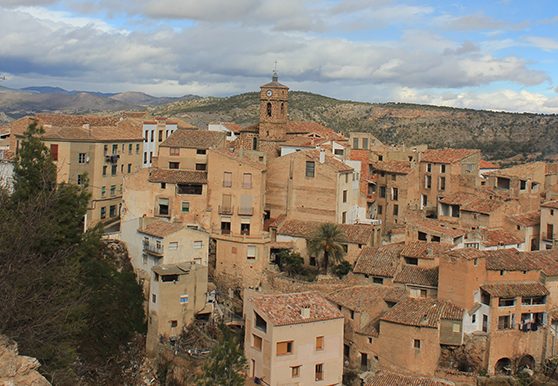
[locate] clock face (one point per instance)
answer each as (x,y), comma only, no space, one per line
(269,93)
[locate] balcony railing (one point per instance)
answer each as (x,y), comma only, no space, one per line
(245,211)
(225,209)
(153,249)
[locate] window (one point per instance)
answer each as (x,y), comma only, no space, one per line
(105,150)
(201,151)
(528,301)
(198,244)
(130,147)
(355,143)
(114,149)
(416,344)
(344,196)
(310,168)
(394,194)
(163,185)
(295,371)
(137,148)
(113,170)
(245,229)
(189,189)
(104,171)
(174,165)
(184,299)
(429,168)
(319,372)
(343,217)
(82,158)
(201,166)
(174,323)
(382,191)
(129,168)
(474,318)
(255,143)
(261,324)
(506,322)
(352,314)
(427,182)
(380,210)
(152,135)
(163,207)
(103,212)
(442,168)
(365,143)
(442,183)
(256,342)
(522,184)
(174,151)
(227,179)
(506,302)
(103,191)
(112,211)
(422,236)
(247,181)
(396,210)
(411,260)
(268,109)
(377,280)
(160,135)
(145,158)
(154,298)
(80,179)
(185,207)
(54,152)
(319,343)
(122,168)
(225,227)
(173,245)
(284,348)
(250,252)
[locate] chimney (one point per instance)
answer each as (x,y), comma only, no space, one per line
(305,312)
(322,156)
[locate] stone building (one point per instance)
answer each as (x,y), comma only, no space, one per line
(293,338)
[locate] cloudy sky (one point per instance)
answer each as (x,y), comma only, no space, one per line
(491,54)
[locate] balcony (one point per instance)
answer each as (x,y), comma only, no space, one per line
(226,209)
(153,249)
(246,211)
(112,158)
(548,237)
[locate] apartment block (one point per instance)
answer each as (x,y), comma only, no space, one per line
(549,224)
(294,338)
(155,131)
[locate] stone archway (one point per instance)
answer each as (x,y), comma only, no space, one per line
(503,366)
(526,361)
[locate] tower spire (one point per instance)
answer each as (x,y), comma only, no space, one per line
(275,77)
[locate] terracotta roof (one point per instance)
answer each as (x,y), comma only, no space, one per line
(274,83)
(161,228)
(383,378)
(480,201)
(285,309)
(495,237)
(447,156)
(411,274)
(524,171)
(174,176)
(510,290)
(545,260)
(423,312)
(398,167)
(197,139)
(438,227)
(483,164)
(550,204)
(302,127)
(362,298)
(465,253)
(83,128)
(234,127)
(528,219)
(509,260)
(241,157)
(379,261)
(355,234)
(424,249)
(330,160)
(301,141)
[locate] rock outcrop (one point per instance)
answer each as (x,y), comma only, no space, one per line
(18,370)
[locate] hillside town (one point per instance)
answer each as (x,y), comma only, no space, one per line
(342,260)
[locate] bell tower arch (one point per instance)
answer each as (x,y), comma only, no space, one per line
(274,110)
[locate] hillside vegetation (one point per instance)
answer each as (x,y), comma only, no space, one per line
(498,134)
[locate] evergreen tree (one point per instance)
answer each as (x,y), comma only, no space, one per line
(327,241)
(226,363)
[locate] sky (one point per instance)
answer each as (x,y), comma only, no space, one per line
(482,54)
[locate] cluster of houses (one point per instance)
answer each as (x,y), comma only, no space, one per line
(454,266)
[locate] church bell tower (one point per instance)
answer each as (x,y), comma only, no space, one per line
(274,110)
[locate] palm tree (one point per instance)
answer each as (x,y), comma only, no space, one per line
(328,240)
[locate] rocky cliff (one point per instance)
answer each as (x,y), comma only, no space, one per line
(18,370)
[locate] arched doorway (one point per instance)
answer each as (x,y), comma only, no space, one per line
(526,361)
(503,366)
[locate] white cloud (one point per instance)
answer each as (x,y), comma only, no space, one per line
(546,44)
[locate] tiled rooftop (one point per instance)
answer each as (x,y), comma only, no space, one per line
(161,229)
(524,171)
(356,234)
(509,260)
(423,312)
(437,227)
(411,274)
(240,156)
(480,201)
(528,219)
(424,249)
(510,290)
(196,139)
(483,164)
(495,237)
(379,261)
(286,309)
(397,167)
(550,204)
(383,378)
(447,156)
(174,176)
(330,160)
(364,297)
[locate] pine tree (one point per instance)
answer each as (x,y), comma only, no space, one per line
(226,363)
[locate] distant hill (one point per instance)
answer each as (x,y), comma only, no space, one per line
(499,135)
